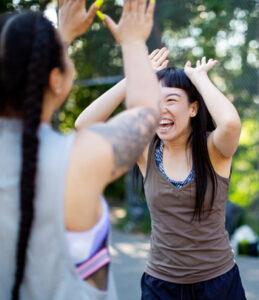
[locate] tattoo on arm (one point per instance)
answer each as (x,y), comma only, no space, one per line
(128,134)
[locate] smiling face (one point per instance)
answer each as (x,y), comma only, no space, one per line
(177,112)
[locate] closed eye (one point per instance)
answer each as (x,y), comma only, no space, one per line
(171,100)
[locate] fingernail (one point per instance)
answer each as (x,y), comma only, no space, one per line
(98,3)
(100,15)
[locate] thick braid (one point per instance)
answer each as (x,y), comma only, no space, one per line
(37,80)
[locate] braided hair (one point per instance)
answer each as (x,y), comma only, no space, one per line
(34,49)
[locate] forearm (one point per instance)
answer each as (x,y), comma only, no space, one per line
(101,109)
(221,109)
(142,87)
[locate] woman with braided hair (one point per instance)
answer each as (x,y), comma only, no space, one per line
(52,215)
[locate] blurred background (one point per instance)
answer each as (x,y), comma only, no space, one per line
(227,30)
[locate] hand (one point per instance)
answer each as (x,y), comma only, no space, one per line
(135,23)
(74,20)
(202,67)
(158,59)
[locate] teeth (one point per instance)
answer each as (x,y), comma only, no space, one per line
(163,122)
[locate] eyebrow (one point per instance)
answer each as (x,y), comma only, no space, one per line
(173,94)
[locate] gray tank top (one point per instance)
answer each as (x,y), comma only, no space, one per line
(182,250)
(49,273)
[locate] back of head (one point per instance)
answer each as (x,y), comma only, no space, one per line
(29,49)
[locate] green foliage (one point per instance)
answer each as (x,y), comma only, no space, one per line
(244,186)
(10,5)
(226,30)
(229,32)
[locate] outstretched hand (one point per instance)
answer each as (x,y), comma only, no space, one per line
(74,20)
(158,59)
(202,67)
(135,23)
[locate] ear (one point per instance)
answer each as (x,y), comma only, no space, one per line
(55,81)
(194,107)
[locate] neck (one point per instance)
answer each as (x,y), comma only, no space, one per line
(179,144)
(48,108)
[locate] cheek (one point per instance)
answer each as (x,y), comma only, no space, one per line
(71,71)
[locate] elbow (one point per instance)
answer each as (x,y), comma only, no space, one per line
(151,101)
(77,124)
(233,126)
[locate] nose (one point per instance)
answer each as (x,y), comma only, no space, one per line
(163,106)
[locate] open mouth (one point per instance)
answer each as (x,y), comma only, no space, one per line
(165,125)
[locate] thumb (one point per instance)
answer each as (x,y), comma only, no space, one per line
(90,15)
(111,25)
(188,64)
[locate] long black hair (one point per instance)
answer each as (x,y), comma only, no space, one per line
(29,49)
(201,125)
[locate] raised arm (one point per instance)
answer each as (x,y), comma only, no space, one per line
(104,151)
(228,125)
(102,108)
(128,133)
(74,19)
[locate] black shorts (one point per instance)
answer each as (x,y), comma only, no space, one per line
(225,287)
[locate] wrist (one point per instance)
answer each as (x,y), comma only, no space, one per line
(66,36)
(133,45)
(198,77)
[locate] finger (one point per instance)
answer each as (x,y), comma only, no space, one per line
(141,7)
(98,3)
(203,60)
(126,7)
(60,3)
(111,25)
(164,64)
(164,55)
(188,64)
(134,6)
(162,50)
(90,15)
(150,9)
(153,53)
(100,15)
(159,53)
(213,63)
(210,60)
(198,63)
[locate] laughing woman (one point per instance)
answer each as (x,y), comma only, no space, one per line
(54,221)
(186,171)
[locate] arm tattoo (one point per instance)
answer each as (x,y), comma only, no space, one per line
(128,135)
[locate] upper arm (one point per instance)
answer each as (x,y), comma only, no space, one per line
(221,163)
(126,136)
(102,153)
(224,140)
(142,161)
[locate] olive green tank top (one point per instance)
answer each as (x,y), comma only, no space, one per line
(184,250)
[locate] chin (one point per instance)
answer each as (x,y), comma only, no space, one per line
(166,136)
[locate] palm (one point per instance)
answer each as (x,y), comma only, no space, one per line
(158,59)
(74,20)
(202,66)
